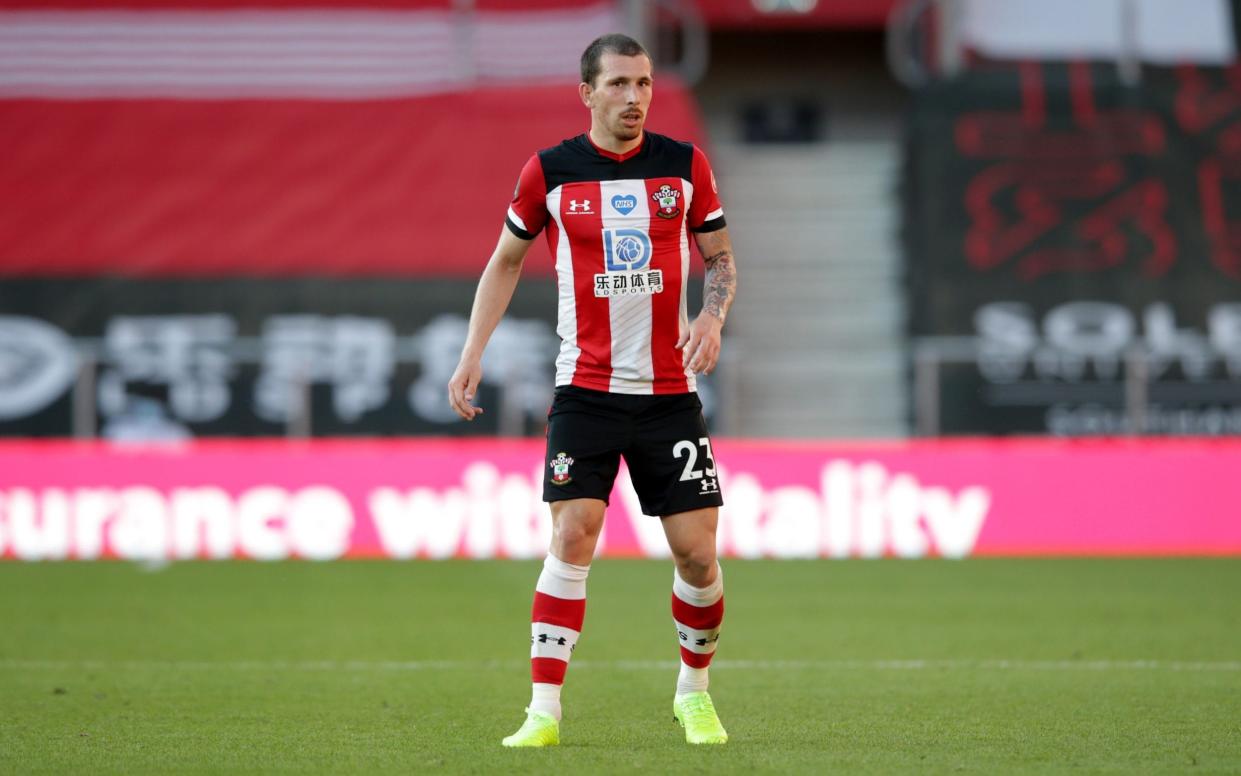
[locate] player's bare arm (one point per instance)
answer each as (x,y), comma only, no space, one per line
(495,291)
(700,345)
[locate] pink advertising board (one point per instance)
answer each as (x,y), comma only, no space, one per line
(481,498)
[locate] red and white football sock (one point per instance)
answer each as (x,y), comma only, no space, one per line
(556,622)
(697,613)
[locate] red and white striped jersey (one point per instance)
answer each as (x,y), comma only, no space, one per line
(617,226)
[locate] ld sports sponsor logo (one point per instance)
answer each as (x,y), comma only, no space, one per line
(627,258)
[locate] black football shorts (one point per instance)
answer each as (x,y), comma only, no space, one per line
(663,439)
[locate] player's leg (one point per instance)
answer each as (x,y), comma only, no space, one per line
(673,470)
(581,465)
(557,614)
(559,607)
(697,593)
(698,611)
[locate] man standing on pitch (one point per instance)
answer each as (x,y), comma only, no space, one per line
(619,204)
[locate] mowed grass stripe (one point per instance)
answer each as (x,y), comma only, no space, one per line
(990,664)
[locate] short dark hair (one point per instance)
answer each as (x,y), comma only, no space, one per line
(614,43)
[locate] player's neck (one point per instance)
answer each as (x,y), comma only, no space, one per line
(606,141)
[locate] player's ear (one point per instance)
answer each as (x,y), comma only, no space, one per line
(584,90)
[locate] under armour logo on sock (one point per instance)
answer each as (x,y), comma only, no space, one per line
(701,641)
(544,638)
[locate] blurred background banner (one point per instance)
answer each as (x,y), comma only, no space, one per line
(322,500)
(955,218)
(1068,208)
(290,141)
(1079,232)
(133,359)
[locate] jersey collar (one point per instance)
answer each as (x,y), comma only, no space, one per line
(614,156)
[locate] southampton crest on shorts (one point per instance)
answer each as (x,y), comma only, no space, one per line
(668,200)
(560,469)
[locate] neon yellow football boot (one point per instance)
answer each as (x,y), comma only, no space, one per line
(539,729)
(695,712)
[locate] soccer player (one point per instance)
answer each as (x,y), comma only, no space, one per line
(619,205)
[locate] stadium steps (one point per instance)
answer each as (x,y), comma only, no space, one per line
(817,332)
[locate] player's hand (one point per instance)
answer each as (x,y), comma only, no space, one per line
(700,344)
(463,386)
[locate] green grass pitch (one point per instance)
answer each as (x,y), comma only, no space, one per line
(991,666)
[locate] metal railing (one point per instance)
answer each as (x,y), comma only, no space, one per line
(514,408)
(296,412)
(1139,368)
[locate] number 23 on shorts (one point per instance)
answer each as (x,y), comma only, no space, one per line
(689,451)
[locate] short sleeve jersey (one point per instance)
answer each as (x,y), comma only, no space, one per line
(618,226)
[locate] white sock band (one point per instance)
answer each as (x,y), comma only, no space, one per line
(562,580)
(699,596)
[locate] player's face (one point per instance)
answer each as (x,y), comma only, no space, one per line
(620,95)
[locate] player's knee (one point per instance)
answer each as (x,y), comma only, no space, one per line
(575,536)
(697,566)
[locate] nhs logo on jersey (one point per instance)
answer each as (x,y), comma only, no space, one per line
(624,203)
(625,250)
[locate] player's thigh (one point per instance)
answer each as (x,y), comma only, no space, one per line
(692,532)
(584,442)
(671,461)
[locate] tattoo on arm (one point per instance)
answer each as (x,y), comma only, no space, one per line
(721,284)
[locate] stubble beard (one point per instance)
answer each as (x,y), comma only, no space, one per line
(622,132)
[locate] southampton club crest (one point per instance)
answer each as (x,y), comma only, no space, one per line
(668,200)
(560,469)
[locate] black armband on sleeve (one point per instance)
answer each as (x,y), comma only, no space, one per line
(517,230)
(715,224)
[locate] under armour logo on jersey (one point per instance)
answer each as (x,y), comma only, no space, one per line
(580,206)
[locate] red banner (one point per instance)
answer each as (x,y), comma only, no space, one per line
(217,139)
(272,500)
